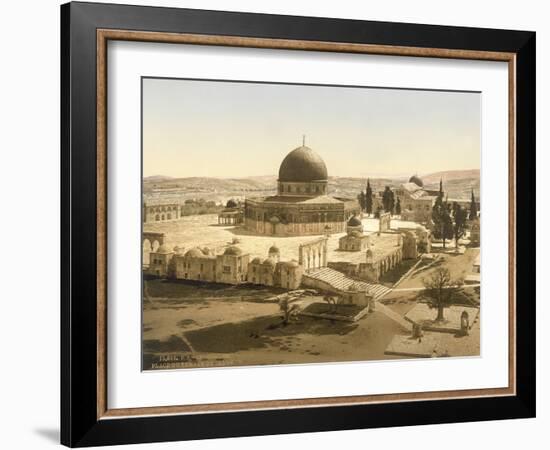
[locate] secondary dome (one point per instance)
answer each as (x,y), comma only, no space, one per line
(416,180)
(163,249)
(302,165)
(274,249)
(291,264)
(354,221)
(232,250)
(194,253)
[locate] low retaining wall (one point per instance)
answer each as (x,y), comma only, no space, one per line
(355,318)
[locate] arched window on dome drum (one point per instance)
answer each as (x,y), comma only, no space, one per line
(157,218)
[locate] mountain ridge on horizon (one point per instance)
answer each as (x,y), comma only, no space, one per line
(429,178)
(457,183)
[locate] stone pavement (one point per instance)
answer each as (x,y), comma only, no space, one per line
(434,344)
(424,315)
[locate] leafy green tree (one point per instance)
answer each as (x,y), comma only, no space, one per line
(386,199)
(441,217)
(447,227)
(368,199)
(473,207)
(392,202)
(460,216)
(361,197)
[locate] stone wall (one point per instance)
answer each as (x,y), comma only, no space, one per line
(384,222)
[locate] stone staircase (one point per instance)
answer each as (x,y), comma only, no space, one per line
(341,282)
(333,280)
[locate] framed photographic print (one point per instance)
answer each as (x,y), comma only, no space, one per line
(277,224)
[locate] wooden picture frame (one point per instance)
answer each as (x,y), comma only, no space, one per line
(86,418)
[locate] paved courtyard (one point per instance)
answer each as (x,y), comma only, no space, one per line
(199,326)
(203,230)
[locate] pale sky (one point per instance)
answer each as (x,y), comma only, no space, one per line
(232,130)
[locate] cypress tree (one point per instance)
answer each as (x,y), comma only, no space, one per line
(392,202)
(443,222)
(398,207)
(361,198)
(386,199)
(473,207)
(368,198)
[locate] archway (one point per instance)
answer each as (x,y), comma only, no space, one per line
(147,249)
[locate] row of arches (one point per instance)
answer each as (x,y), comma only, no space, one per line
(161,209)
(389,262)
(160,217)
(150,244)
(313,255)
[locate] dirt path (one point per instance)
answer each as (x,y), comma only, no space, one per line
(422,288)
(405,324)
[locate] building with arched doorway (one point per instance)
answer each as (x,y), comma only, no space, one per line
(232,214)
(302,205)
(161,212)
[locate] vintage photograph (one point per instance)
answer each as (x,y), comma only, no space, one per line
(300,224)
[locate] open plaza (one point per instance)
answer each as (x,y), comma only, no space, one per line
(304,277)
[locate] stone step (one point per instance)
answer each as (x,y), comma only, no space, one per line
(342,282)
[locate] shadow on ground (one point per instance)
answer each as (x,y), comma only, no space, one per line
(172,344)
(259,332)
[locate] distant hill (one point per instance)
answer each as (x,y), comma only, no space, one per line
(457,183)
(156,178)
(210,183)
(450,175)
